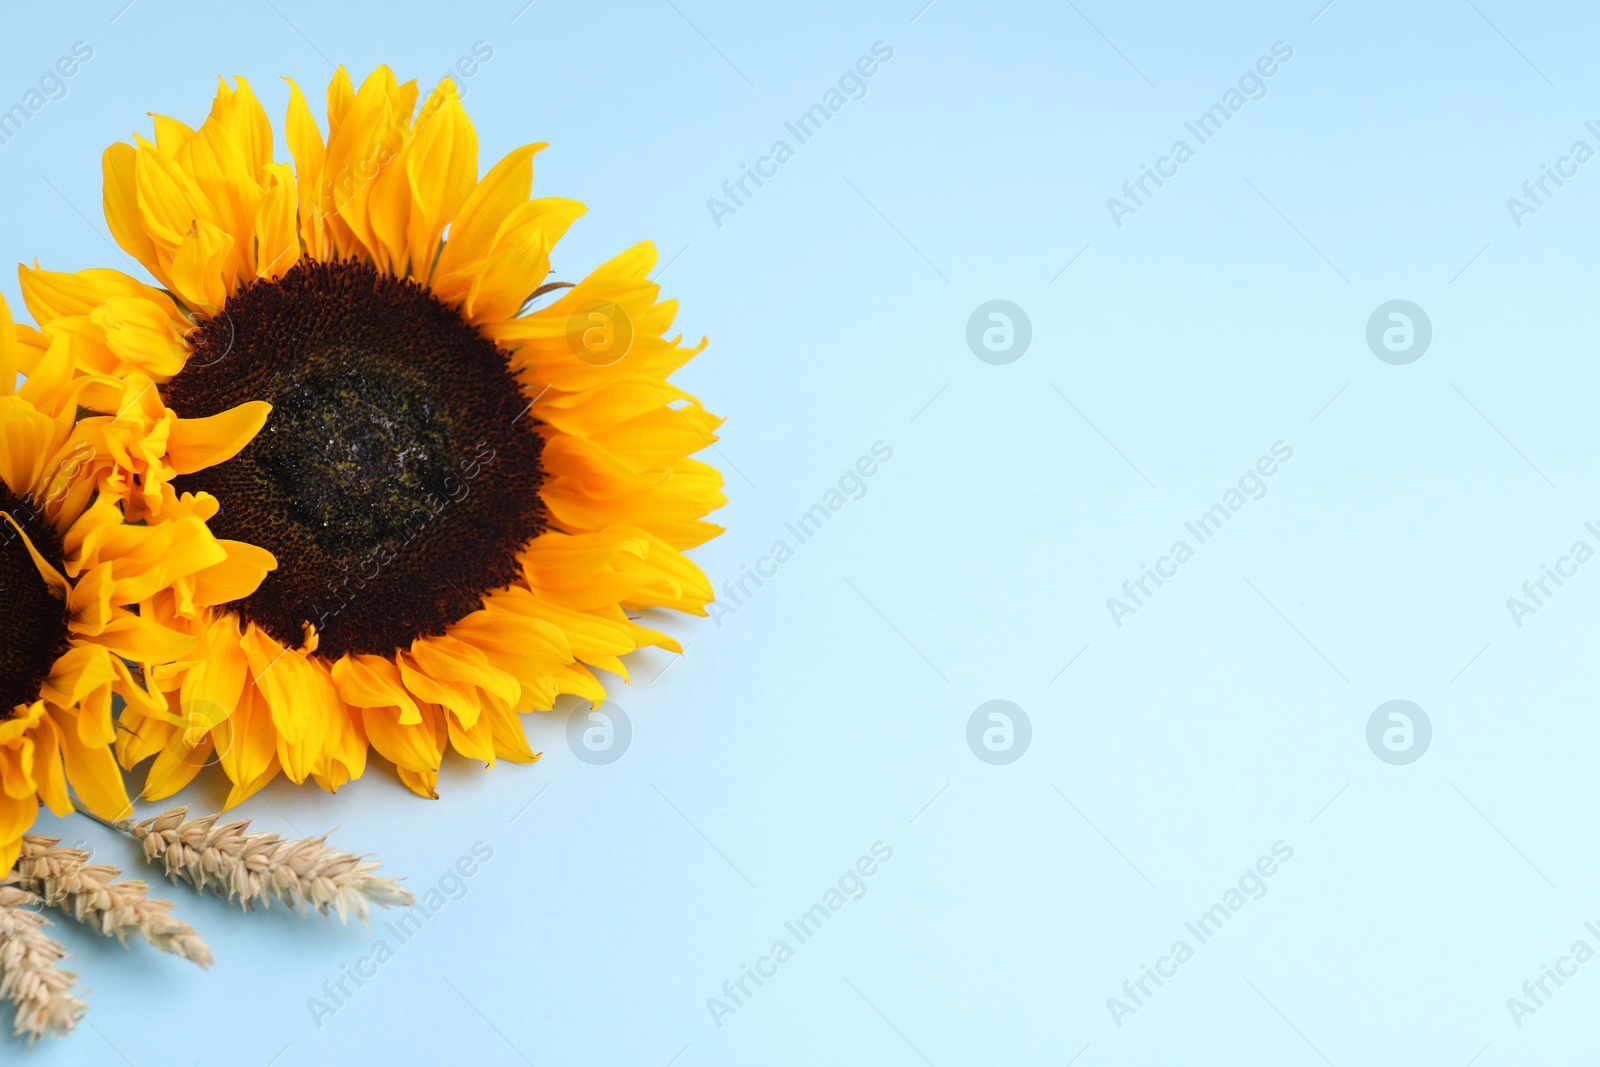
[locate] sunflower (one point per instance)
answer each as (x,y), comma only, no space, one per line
(447,488)
(74,579)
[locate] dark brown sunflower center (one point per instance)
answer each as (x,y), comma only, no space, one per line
(33,619)
(397,478)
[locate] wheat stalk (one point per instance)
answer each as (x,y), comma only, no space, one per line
(260,867)
(92,895)
(42,993)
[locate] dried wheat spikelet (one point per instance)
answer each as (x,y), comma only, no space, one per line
(252,868)
(92,895)
(43,995)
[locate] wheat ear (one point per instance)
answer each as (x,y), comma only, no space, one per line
(44,996)
(92,895)
(260,867)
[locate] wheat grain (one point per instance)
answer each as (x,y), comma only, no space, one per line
(93,895)
(43,995)
(260,867)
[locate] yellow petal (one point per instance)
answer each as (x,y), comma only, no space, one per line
(510,743)
(142,335)
(417,748)
(93,772)
(169,199)
(476,742)
(455,660)
(300,696)
(460,697)
(212,688)
(422,783)
(171,135)
(577,680)
(504,280)
(441,167)
(235,577)
(52,295)
(196,444)
(48,772)
(277,238)
(121,202)
(25,436)
(345,753)
(365,141)
(305,145)
(199,271)
(10,355)
(247,746)
(374,682)
(16,818)
(140,736)
(176,766)
(340,97)
(477,224)
(143,640)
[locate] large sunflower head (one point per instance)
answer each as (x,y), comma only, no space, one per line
(74,584)
(446,487)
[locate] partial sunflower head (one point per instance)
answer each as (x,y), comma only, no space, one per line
(74,579)
(444,490)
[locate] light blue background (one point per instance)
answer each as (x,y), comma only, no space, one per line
(830,712)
